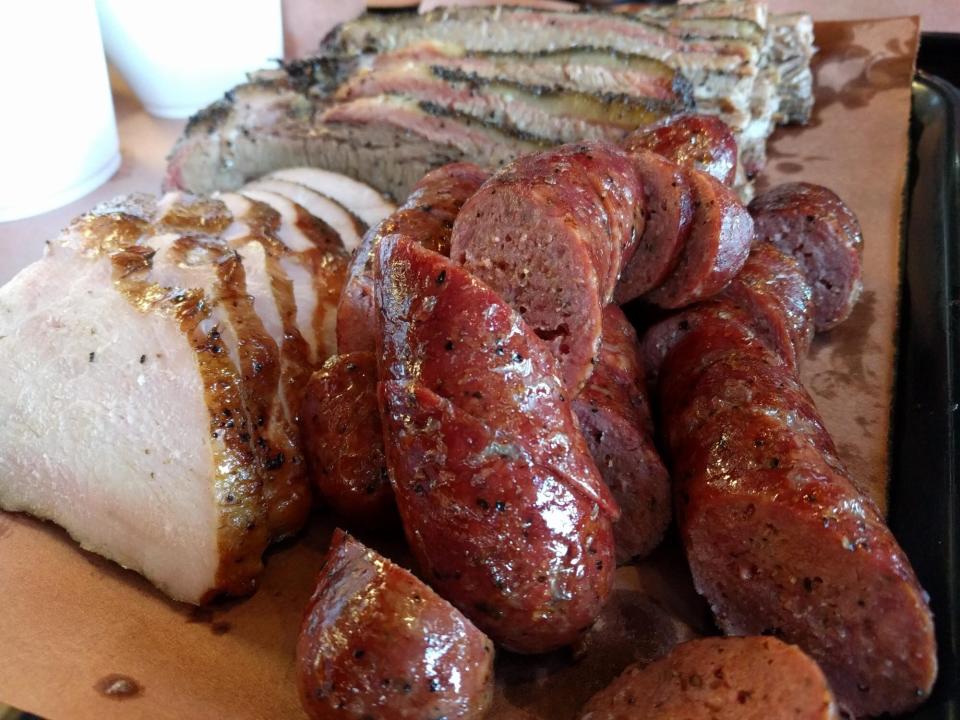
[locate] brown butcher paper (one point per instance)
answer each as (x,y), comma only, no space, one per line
(82,639)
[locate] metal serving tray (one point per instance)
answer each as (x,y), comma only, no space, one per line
(925,489)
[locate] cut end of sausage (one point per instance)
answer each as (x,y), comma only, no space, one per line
(532,256)
(550,232)
(668,214)
(377,642)
(813,225)
(748,678)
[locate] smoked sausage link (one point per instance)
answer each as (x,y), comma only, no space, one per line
(815,226)
(428,216)
(716,248)
(746,678)
(377,642)
(501,503)
(520,552)
(614,416)
(343,439)
(702,142)
(779,539)
(444,329)
(773,290)
(550,232)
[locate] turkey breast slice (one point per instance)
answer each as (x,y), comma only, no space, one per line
(116,419)
(359,198)
(349,227)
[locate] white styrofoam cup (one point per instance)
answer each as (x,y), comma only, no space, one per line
(58,134)
(179,55)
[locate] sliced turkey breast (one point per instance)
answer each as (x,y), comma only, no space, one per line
(362,200)
(125,423)
(159,353)
(347,225)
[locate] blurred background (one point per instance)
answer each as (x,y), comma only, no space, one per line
(166,60)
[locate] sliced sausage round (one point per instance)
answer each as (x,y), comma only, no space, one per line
(609,192)
(428,216)
(343,440)
(614,417)
(716,248)
(773,290)
(614,177)
(622,362)
(743,678)
(702,142)
(632,469)
(377,642)
(548,232)
(668,215)
(815,226)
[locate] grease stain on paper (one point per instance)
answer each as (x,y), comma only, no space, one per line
(878,73)
(118,687)
(847,346)
(789,168)
(206,616)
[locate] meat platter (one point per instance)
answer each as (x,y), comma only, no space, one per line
(663,559)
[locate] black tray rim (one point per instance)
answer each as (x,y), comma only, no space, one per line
(925,462)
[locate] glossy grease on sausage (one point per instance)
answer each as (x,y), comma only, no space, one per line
(427,215)
(773,290)
(501,502)
(446,330)
(702,142)
(377,642)
(522,554)
(779,538)
(343,440)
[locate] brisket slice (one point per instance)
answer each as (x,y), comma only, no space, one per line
(600,71)
(716,68)
(264,126)
(754,11)
(554,114)
(257,127)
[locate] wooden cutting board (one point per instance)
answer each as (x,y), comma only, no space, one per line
(70,619)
